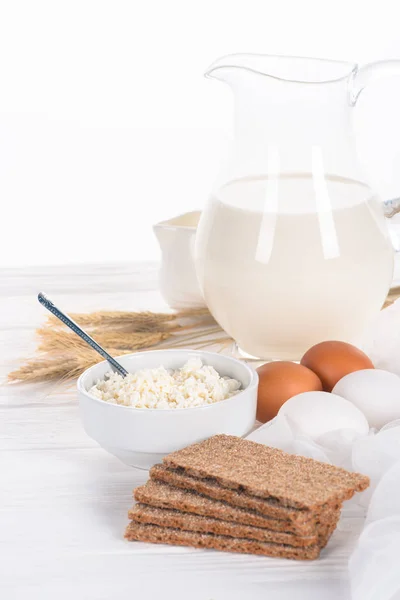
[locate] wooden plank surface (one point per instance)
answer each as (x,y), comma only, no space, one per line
(64,501)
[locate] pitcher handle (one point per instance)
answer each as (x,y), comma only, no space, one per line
(391,207)
(362,77)
(370,73)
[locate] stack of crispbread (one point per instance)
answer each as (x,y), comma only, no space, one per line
(235,495)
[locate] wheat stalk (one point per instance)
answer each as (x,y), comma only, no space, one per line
(63,355)
(61,339)
(133,321)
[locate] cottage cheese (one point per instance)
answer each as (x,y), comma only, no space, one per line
(193,385)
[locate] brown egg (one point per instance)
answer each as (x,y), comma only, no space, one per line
(280,381)
(333,360)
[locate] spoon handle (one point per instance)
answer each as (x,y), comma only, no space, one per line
(79,331)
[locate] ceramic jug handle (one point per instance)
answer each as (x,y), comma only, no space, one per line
(362,77)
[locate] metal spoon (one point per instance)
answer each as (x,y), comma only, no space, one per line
(115,365)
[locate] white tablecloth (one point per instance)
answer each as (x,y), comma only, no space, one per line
(64,500)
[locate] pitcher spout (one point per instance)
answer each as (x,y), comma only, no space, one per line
(285,68)
(227,65)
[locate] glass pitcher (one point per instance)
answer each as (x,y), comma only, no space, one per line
(293,246)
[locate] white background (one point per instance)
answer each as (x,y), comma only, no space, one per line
(108,126)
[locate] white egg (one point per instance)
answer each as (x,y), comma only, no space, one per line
(316,413)
(375,392)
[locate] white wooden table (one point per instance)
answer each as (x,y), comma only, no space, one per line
(64,501)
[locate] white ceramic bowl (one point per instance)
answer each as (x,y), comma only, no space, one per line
(140,437)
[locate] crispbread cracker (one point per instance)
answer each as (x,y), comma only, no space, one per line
(257,470)
(167,535)
(141,513)
(162,495)
(303,521)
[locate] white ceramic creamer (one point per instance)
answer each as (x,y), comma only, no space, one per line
(178,280)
